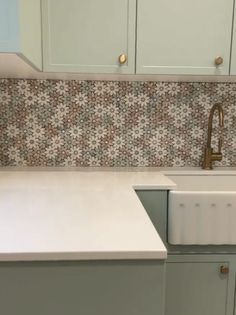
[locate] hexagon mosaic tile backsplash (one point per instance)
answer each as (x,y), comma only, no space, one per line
(109,123)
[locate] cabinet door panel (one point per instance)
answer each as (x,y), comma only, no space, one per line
(183,36)
(89,36)
(196,288)
(9,33)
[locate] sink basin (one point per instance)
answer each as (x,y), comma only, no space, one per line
(202,210)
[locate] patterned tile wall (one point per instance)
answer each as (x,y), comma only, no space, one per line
(96,123)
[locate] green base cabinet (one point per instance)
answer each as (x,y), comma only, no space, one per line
(82,288)
(195,282)
(89,36)
(195,285)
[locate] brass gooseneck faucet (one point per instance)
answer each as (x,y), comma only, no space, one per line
(209,154)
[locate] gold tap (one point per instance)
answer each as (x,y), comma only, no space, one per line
(209,154)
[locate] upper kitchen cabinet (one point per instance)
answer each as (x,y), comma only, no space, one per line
(184,36)
(233,53)
(20,30)
(89,36)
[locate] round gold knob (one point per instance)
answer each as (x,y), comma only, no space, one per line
(218,61)
(122,59)
(224,270)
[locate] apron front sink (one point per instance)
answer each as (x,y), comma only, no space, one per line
(202,210)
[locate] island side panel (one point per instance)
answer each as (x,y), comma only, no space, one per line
(88,288)
(155,203)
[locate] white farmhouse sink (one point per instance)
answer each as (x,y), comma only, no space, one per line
(202,209)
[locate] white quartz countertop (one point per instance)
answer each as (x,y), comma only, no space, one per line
(53,215)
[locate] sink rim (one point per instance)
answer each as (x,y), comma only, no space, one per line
(204,183)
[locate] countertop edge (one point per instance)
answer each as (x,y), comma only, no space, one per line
(82,256)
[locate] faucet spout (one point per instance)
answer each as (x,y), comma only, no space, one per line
(209,155)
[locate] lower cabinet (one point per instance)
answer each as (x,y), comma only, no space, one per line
(200,280)
(200,285)
(82,288)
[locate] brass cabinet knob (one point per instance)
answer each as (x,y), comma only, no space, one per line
(218,61)
(122,59)
(224,270)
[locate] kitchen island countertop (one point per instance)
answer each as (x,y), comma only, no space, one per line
(64,215)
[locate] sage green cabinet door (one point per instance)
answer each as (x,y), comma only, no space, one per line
(184,36)
(89,36)
(196,288)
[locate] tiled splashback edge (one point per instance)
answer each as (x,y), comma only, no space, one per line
(109,123)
